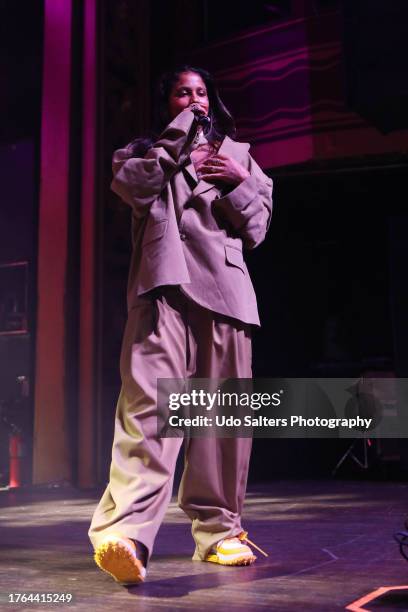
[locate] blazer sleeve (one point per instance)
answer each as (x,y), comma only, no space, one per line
(248,207)
(139,181)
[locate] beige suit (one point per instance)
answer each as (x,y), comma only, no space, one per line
(187,237)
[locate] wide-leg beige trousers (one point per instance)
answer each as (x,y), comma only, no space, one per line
(170,336)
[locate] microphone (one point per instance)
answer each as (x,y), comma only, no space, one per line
(203,120)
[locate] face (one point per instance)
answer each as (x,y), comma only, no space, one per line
(189,88)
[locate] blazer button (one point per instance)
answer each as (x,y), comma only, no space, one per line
(182,236)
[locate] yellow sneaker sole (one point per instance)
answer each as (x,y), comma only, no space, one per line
(116,558)
(231,559)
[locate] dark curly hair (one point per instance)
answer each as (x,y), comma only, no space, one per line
(221,124)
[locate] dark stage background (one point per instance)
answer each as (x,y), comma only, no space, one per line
(331,275)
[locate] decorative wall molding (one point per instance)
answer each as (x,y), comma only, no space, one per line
(285,85)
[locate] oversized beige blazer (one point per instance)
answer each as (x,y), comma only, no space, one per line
(190,232)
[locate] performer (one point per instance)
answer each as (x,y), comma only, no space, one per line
(197,198)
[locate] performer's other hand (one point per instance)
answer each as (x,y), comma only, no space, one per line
(223,168)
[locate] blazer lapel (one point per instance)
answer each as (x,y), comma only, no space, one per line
(200,185)
(189,168)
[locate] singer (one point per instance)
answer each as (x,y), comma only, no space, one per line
(197,199)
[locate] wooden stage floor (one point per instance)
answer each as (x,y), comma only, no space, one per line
(330,543)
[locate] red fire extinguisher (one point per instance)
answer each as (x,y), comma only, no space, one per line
(16,452)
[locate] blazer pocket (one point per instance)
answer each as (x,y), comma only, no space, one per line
(234,257)
(154,231)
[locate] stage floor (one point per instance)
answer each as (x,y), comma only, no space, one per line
(330,543)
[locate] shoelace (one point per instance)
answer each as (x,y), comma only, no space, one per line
(243,537)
